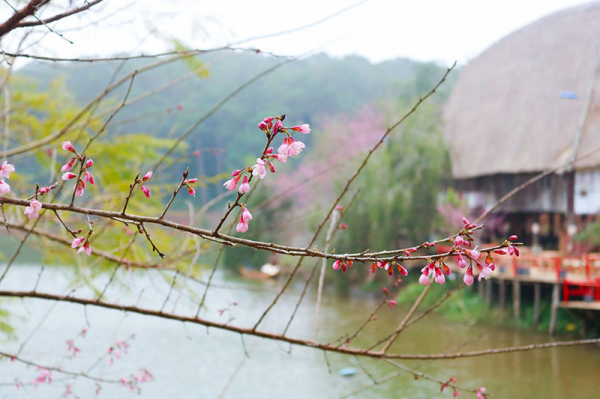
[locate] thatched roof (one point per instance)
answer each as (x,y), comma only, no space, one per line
(510,112)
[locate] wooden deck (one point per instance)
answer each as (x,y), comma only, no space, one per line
(595,305)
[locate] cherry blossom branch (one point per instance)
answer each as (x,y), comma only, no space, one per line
(61,222)
(145,56)
(232,241)
(60,16)
(20,15)
(105,255)
(347,187)
(58,369)
(282,338)
(131,187)
(215,265)
(343,340)
(396,333)
(443,384)
(183,180)
(154,247)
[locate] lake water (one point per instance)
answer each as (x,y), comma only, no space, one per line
(189,361)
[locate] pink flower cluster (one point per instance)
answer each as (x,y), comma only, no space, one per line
(117,351)
(473,255)
(85,247)
(44,377)
(133,381)
(271,126)
(5,170)
(143,188)
(389,266)
(190,189)
(87,176)
(342,264)
(32,210)
(246,216)
(437,272)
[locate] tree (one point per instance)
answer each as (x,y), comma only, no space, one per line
(109,206)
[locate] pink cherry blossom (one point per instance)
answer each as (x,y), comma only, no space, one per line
(6,169)
(391,303)
(87,176)
(484,272)
(146,191)
(85,248)
(473,254)
(511,238)
(32,210)
(439,276)
(424,279)
(69,176)
(77,242)
(461,261)
(232,184)
(89,163)
(190,190)
(263,126)
(271,167)
(340,264)
(259,169)
(66,167)
(290,147)
(402,270)
(67,146)
(4,188)
(468,278)
(147,176)
(408,251)
(305,129)
(242,226)
(79,188)
(246,215)
(244,187)
(458,241)
(277,126)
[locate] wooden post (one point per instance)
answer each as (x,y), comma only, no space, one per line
(517,299)
(536,305)
(488,292)
(502,289)
(555,299)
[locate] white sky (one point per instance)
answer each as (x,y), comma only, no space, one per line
(429,30)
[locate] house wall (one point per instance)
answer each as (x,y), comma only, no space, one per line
(546,195)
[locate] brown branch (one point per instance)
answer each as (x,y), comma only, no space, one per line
(58,369)
(430,378)
(154,247)
(282,338)
(396,333)
(136,180)
(19,15)
(231,240)
(347,187)
(57,17)
(185,175)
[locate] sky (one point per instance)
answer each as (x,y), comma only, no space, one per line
(427,30)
